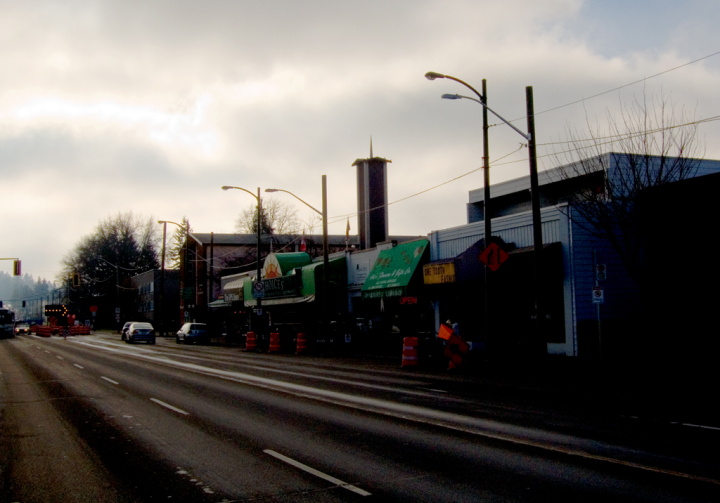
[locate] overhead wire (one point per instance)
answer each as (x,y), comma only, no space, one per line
(614,89)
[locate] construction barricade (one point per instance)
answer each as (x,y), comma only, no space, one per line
(301,343)
(410,352)
(274,342)
(251,342)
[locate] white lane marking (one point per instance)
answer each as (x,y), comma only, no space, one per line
(60,358)
(317,473)
(78,366)
(48,352)
(342,381)
(701,426)
(519,435)
(109,380)
(167,405)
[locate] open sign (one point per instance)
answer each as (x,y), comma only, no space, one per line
(408,300)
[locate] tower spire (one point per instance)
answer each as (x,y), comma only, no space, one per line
(371,154)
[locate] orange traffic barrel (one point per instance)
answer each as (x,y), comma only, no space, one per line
(274,342)
(301,343)
(410,351)
(251,342)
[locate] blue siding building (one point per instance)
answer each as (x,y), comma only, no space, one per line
(564,228)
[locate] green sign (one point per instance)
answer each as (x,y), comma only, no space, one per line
(188,293)
(393,270)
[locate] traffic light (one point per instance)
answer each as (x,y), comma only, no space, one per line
(76,280)
(17,270)
(23,303)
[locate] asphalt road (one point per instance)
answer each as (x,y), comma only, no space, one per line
(94,419)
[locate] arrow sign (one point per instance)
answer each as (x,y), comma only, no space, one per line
(493,256)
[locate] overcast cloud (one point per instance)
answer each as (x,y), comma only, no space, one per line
(111,106)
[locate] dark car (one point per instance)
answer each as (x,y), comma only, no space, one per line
(192,332)
(138,332)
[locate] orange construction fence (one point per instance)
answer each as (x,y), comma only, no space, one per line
(410,352)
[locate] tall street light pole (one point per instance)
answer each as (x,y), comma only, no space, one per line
(259,232)
(534,190)
(326,261)
(487,219)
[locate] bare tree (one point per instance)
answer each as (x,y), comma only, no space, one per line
(278,217)
(650,145)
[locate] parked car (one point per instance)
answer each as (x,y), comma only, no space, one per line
(22,329)
(193,332)
(125,329)
(137,332)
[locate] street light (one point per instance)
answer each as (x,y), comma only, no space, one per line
(534,185)
(326,261)
(486,178)
(259,219)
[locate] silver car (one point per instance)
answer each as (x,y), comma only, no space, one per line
(137,332)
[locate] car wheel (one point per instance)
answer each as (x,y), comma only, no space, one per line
(123,338)
(151,342)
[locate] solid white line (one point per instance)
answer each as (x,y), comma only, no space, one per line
(317,473)
(702,426)
(167,405)
(78,366)
(108,379)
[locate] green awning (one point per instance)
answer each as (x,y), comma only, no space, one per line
(312,275)
(394,270)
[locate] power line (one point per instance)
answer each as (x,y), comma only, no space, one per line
(614,89)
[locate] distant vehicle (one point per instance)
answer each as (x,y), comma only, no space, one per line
(22,328)
(7,322)
(138,331)
(125,329)
(192,332)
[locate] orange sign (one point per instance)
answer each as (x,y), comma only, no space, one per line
(493,256)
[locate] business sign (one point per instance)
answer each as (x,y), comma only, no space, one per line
(283,286)
(435,274)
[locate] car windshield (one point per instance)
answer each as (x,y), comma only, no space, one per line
(197,326)
(143,326)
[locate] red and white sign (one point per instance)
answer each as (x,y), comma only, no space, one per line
(598,295)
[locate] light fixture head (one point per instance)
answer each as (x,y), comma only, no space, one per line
(434,75)
(226,187)
(271,190)
(451,97)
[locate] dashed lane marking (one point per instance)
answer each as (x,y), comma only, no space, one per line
(317,473)
(109,380)
(78,366)
(168,406)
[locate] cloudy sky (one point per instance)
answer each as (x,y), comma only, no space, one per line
(109,106)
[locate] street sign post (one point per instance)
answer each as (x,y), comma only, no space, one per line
(598,295)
